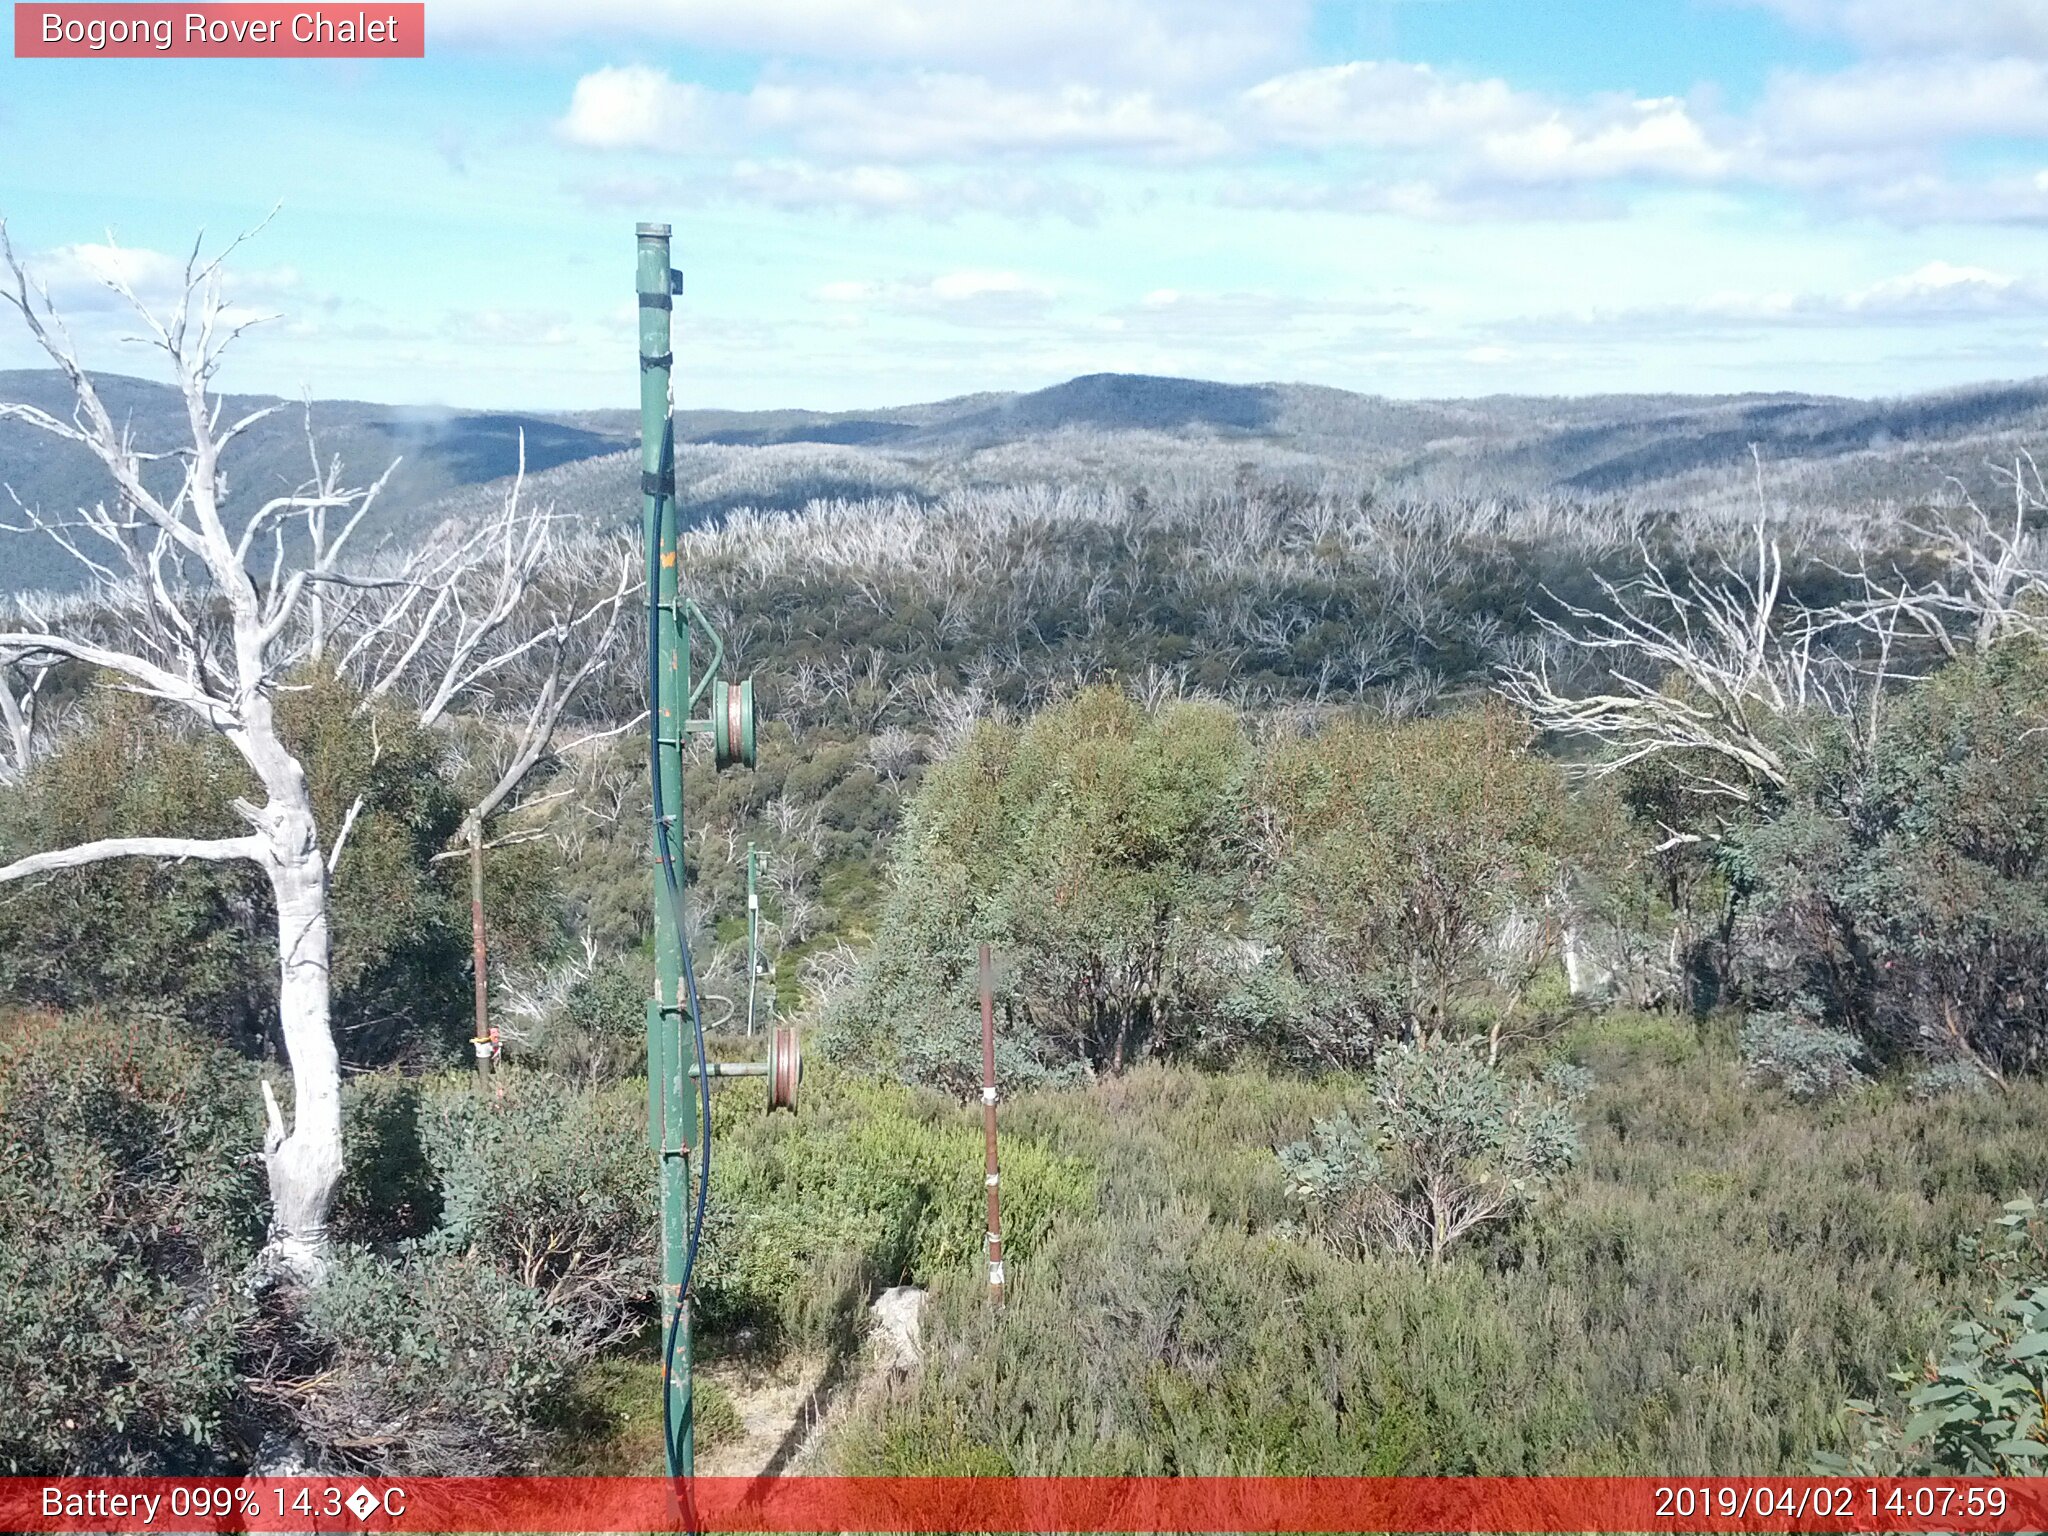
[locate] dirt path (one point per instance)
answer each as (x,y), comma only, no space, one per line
(779,1404)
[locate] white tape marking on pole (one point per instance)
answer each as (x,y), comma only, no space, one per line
(990,1181)
(995,1273)
(988,1095)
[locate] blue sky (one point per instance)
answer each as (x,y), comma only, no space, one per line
(906,199)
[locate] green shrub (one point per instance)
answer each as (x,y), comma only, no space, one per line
(873,1184)
(1946,1078)
(1698,1294)
(184,939)
(1448,1143)
(1393,853)
(401,966)
(714,1417)
(197,940)
(435,1363)
(1976,1411)
(1906,885)
(552,1184)
(128,1210)
(1628,1039)
(1154,883)
(1807,1060)
(1095,846)
(387,1192)
(600,1031)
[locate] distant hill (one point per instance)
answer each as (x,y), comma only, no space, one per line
(440,451)
(1134,428)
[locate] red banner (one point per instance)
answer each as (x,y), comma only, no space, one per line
(889,1504)
(372,30)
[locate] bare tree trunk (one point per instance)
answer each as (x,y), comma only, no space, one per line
(484,1046)
(16,720)
(1574,973)
(304,1165)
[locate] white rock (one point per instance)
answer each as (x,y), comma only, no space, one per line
(896,1327)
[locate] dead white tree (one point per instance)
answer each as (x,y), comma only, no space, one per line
(1990,581)
(512,616)
(179,613)
(1696,668)
(21,686)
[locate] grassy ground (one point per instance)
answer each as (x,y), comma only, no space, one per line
(1720,1271)
(612,1423)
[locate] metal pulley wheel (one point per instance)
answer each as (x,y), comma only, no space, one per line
(732,723)
(785,1069)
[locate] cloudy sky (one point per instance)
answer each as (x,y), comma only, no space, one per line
(888,200)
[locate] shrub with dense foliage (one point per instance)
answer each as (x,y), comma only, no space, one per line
(128,1211)
(874,1184)
(1717,1272)
(432,1364)
(1905,885)
(1098,847)
(1155,883)
(1448,1143)
(1392,855)
(1808,1060)
(193,939)
(551,1184)
(1976,1410)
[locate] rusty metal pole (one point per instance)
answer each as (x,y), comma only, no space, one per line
(992,1178)
(486,1048)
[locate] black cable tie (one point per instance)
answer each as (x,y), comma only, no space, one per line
(665,360)
(658,483)
(656,301)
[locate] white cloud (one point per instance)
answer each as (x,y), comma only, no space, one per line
(1910,197)
(634,107)
(132,266)
(1913,104)
(1244,324)
(869,188)
(888,189)
(1488,126)
(973,286)
(1986,28)
(79,278)
(1636,138)
(1385,103)
(969,296)
(1935,292)
(1941,289)
(957,117)
(914,118)
(1152,40)
(1392,137)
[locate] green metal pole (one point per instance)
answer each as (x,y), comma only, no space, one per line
(672,1103)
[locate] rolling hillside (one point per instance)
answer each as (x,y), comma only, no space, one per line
(1133,429)
(438,451)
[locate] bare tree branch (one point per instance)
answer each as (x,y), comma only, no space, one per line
(216,849)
